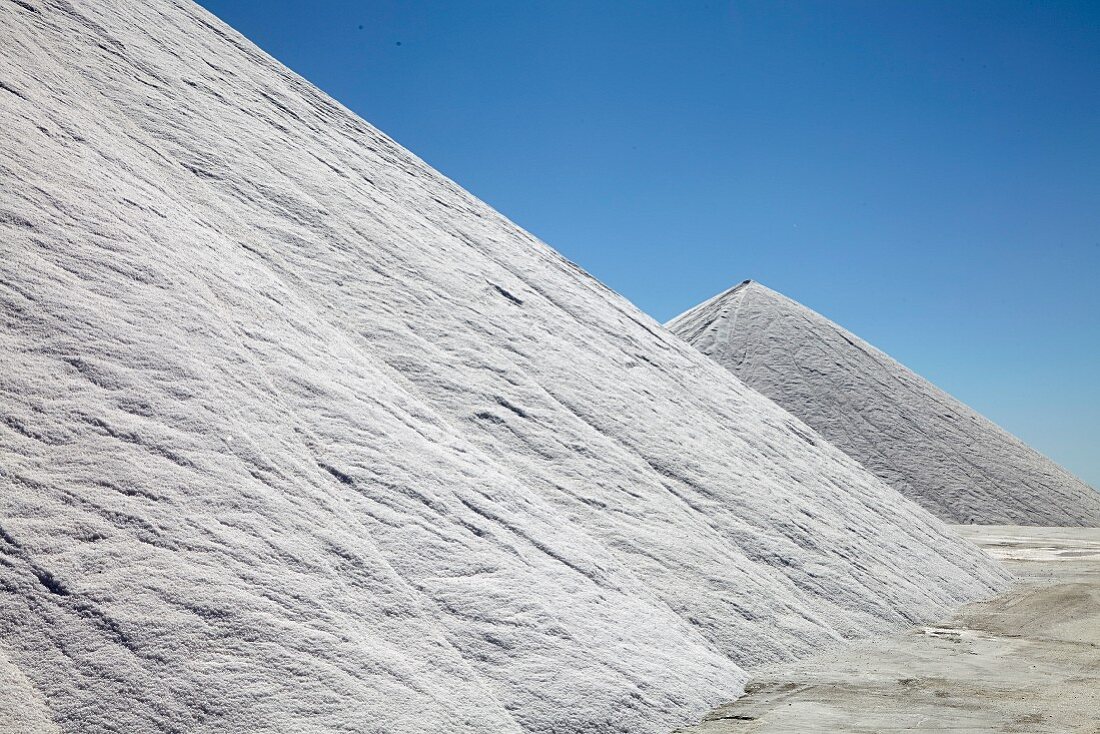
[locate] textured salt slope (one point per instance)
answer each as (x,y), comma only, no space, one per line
(298,436)
(22,708)
(928,445)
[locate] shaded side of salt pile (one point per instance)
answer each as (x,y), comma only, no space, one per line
(932,448)
(298,436)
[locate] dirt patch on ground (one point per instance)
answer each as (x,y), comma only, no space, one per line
(1027,660)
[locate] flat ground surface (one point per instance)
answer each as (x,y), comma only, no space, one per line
(1027,660)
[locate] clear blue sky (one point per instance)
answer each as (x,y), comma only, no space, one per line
(925,173)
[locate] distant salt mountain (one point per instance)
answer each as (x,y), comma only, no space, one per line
(916,437)
(296,435)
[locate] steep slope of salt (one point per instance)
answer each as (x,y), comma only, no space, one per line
(916,437)
(298,436)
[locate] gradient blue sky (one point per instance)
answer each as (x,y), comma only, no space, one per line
(927,174)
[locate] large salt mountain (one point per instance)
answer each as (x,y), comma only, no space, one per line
(299,436)
(916,437)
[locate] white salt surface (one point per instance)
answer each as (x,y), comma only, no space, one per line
(923,442)
(298,436)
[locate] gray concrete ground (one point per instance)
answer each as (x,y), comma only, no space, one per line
(1027,660)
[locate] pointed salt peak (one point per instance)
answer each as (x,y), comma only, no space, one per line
(756,285)
(774,300)
(720,302)
(927,444)
(748,286)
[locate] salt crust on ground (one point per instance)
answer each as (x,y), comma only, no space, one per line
(298,436)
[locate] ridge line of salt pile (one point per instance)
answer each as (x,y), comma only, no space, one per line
(297,433)
(925,443)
